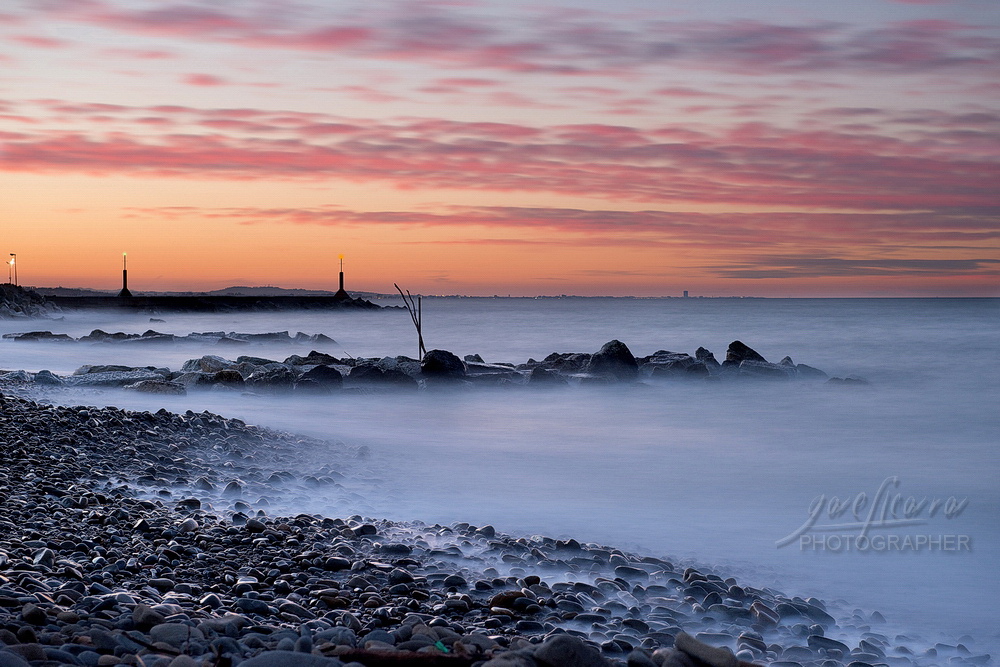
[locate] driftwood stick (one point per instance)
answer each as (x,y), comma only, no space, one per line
(415,309)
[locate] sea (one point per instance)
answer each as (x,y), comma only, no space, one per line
(880,495)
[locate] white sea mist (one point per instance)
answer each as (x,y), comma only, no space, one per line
(714,472)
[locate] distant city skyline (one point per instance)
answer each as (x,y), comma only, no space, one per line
(774,148)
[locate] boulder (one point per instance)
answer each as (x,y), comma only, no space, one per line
(44,377)
(567,362)
(114,378)
(709,655)
(100,336)
(663,364)
(38,336)
(229,377)
(210,363)
(442,364)
(568,651)
(544,377)
(614,361)
(273,377)
(256,361)
(764,369)
(195,379)
(327,376)
(313,359)
(706,357)
(738,352)
(804,371)
(16,376)
(102,368)
(158,387)
(372,374)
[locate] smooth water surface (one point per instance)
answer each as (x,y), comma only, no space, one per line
(713,472)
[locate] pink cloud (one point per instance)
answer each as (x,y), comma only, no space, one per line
(141,54)
(40,41)
(682,91)
(467,82)
(945,163)
(207,80)
(175,20)
(594,43)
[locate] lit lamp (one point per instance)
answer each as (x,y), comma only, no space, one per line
(341,293)
(13,267)
(125,294)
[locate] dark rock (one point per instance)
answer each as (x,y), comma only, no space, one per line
(9,659)
(34,614)
(706,357)
(825,643)
(251,606)
(639,658)
(568,651)
(804,371)
(371,374)
(290,659)
(442,364)
(614,360)
(274,377)
(710,655)
(565,362)
(158,387)
(229,377)
(739,352)
(45,377)
(764,369)
(326,376)
(543,376)
(255,526)
(208,364)
(145,618)
(175,634)
(114,378)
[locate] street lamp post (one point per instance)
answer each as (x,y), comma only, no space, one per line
(13,266)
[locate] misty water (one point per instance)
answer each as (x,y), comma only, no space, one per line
(712,472)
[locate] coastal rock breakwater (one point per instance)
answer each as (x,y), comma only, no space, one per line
(322,373)
(221,338)
(144,538)
(17,303)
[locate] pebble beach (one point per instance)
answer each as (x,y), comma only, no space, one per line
(145,538)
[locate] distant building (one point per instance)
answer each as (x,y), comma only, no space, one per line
(685,294)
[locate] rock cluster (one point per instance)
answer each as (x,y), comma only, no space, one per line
(19,303)
(142,538)
(321,373)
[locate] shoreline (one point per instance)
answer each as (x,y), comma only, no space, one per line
(192,484)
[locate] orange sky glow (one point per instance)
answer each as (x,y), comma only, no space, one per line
(504,148)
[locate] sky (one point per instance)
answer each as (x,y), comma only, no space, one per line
(725,147)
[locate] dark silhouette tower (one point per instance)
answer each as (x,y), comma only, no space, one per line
(341,293)
(125,294)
